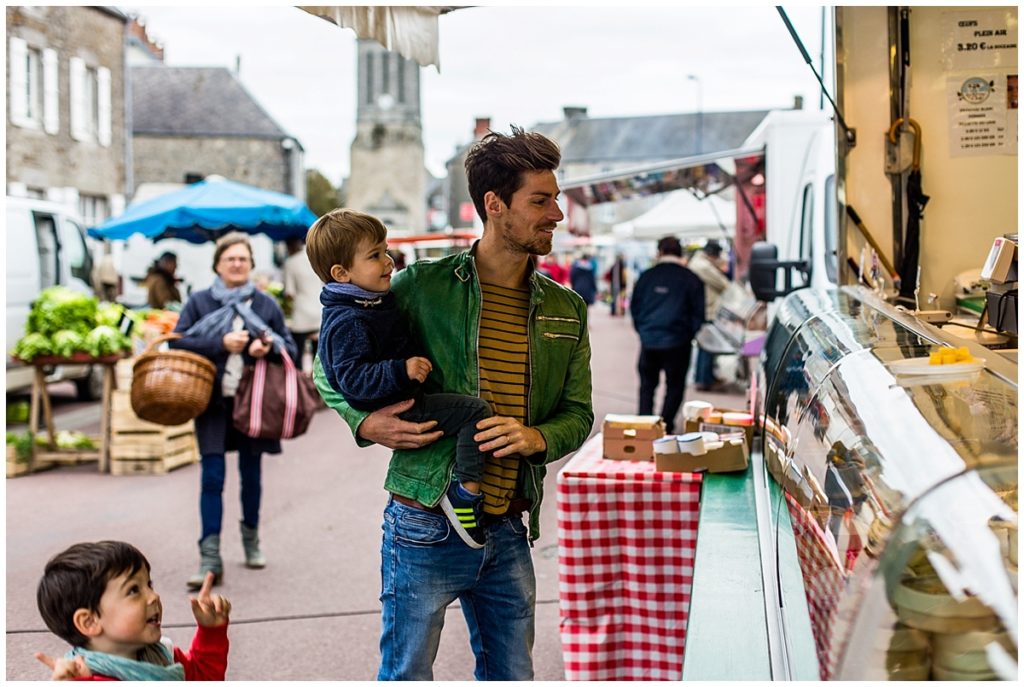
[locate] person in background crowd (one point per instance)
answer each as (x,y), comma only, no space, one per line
(583,278)
(527,352)
(161,283)
(708,265)
(232,323)
(302,286)
(106,282)
(616,278)
(667,308)
(550,266)
(398,257)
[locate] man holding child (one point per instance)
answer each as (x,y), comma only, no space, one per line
(490,326)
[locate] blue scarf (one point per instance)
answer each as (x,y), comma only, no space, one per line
(349,289)
(218,322)
(127,669)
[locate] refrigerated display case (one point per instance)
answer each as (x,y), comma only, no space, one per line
(899,482)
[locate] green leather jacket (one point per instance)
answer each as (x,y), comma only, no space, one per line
(442,299)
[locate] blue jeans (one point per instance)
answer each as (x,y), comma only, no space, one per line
(425,567)
(211,494)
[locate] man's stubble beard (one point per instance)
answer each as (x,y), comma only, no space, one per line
(535,246)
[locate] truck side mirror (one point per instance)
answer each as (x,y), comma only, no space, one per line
(764,267)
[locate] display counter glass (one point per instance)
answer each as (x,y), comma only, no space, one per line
(881,454)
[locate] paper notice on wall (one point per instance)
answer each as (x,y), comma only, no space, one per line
(978,107)
(980,39)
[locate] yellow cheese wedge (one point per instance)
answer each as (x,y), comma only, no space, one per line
(950,356)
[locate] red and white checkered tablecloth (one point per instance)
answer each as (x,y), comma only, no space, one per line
(823,581)
(627,536)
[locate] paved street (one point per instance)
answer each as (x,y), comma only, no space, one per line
(313,613)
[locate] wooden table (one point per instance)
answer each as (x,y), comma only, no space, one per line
(41,402)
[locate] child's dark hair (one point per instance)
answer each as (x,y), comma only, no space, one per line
(334,238)
(77,577)
(497,162)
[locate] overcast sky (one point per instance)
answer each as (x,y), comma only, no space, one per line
(514,64)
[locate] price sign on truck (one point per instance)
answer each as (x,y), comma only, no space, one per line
(976,39)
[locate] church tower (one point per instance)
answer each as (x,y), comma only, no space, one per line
(388,175)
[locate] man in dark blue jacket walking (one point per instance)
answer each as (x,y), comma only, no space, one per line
(667,309)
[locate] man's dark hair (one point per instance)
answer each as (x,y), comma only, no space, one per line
(497,162)
(167,255)
(670,246)
(77,577)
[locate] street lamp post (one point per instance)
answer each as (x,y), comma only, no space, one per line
(700,111)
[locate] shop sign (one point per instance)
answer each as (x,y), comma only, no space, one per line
(980,39)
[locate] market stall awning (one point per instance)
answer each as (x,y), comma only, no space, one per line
(709,173)
(206,210)
(408,30)
(684,216)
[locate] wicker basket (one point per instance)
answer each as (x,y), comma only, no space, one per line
(171,387)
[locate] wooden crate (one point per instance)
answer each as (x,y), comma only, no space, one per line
(152,453)
(124,419)
(65,456)
(123,373)
(14,467)
(138,447)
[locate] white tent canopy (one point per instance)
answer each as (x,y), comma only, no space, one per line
(410,31)
(684,216)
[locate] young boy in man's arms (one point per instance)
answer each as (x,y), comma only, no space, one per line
(368,355)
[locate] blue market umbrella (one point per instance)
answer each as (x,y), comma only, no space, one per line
(207,210)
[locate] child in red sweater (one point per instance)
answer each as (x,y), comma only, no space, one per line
(98,596)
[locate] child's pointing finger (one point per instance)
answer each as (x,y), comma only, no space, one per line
(49,661)
(204,591)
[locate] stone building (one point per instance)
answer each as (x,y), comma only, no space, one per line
(191,122)
(388,177)
(66,115)
(462,214)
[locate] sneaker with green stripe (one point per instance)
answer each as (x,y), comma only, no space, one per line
(464,510)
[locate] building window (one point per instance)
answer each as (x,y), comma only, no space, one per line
(91,109)
(369,79)
(385,73)
(93,209)
(401,80)
(90,102)
(33,67)
(33,86)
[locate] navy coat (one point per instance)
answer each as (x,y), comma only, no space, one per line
(667,306)
(214,429)
(363,348)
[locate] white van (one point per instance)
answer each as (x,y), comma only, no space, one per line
(801,231)
(46,246)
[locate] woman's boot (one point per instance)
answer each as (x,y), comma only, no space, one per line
(209,560)
(251,543)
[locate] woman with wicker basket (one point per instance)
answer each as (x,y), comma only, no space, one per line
(231,323)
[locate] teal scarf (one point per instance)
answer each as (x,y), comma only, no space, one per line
(127,669)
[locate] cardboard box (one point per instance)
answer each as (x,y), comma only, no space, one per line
(732,457)
(696,426)
(631,437)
